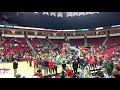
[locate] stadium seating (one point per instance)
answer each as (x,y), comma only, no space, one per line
(109,52)
(77,42)
(113,41)
(37,41)
(96,41)
(73,42)
(17,49)
(59,42)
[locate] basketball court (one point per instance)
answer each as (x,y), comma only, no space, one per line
(23,68)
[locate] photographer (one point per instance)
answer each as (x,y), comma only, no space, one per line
(15,66)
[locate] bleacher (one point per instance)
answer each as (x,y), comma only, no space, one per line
(16,49)
(96,41)
(113,41)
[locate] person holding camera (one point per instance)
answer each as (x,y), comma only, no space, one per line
(15,66)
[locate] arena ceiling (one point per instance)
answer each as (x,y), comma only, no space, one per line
(56,14)
(62,20)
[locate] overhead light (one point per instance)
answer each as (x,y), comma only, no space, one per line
(99,28)
(36,12)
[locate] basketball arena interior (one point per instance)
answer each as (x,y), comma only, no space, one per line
(59,45)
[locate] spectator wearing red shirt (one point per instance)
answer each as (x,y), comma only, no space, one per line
(30,60)
(87,59)
(97,50)
(118,65)
(101,59)
(93,63)
(91,56)
(69,72)
(35,65)
(51,66)
(37,60)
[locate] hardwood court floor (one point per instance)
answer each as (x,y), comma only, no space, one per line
(23,68)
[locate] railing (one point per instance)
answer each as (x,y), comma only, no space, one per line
(30,45)
(105,41)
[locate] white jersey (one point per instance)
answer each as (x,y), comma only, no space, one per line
(58,56)
(78,52)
